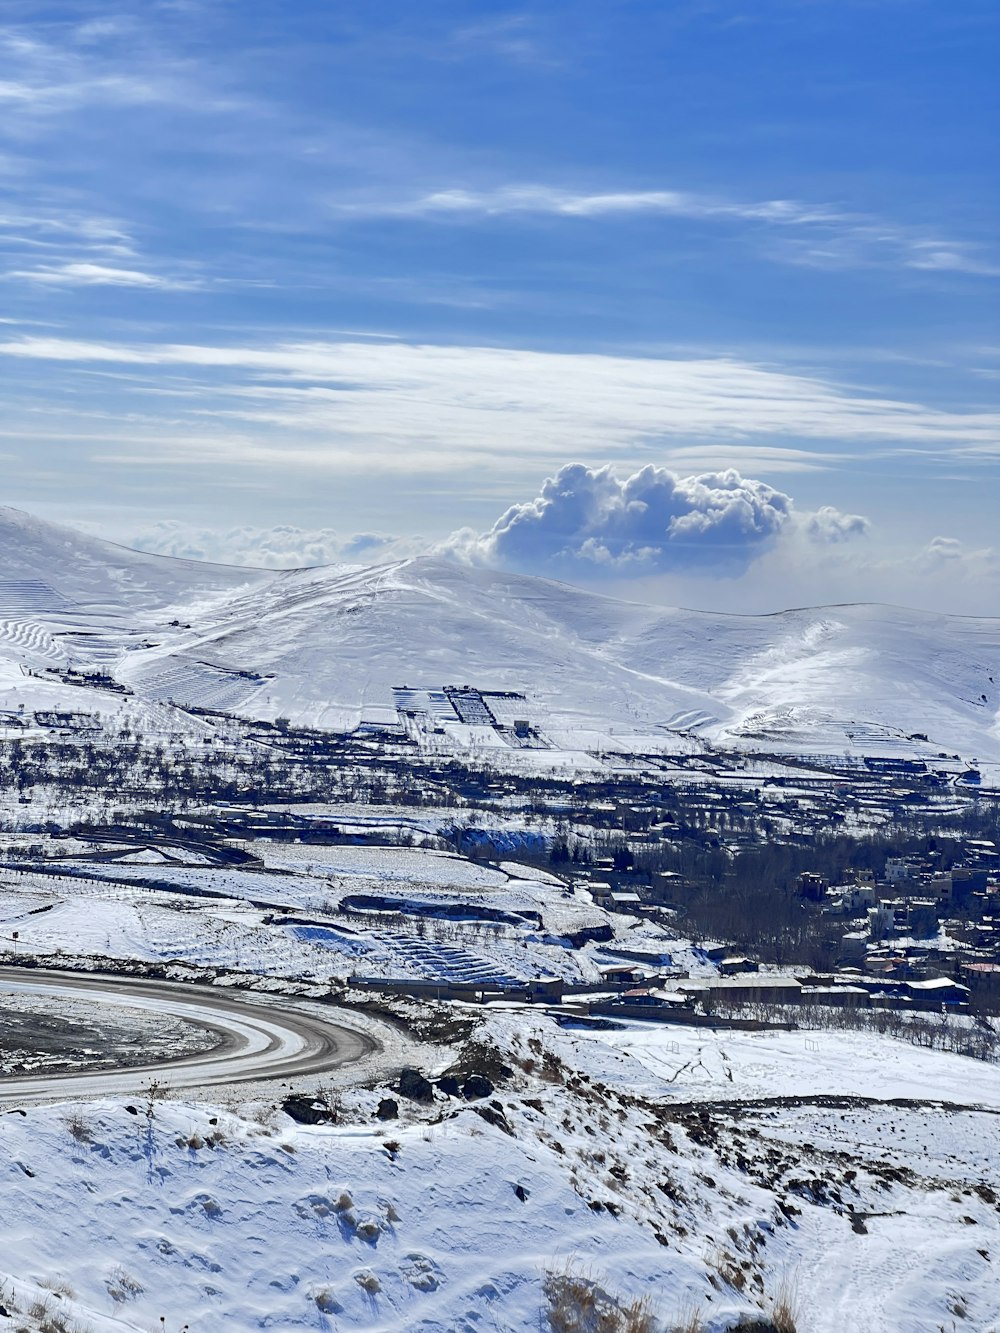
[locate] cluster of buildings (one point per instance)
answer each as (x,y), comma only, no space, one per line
(920,921)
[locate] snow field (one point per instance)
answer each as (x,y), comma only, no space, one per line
(289,1228)
(699,1064)
(239,1219)
(122,915)
(598,676)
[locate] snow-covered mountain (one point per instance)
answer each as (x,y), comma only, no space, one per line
(48,565)
(329,646)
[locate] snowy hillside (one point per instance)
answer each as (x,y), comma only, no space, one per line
(610,1163)
(47,567)
(333,647)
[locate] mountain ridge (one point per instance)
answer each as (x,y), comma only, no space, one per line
(327,646)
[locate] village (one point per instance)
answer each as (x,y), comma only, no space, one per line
(715,888)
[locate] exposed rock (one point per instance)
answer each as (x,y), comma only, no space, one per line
(414,1086)
(387,1109)
(476,1086)
(306,1110)
(494,1118)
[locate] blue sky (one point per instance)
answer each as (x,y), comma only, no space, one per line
(273,275)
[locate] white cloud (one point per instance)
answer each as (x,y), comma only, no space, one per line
(408,407)
(955,559)
(124,68)
(949,257)
(830,525)
(38,230)
(544,199)
(829,236)
(283,546)
(510,37)
(97,275)
(588,520)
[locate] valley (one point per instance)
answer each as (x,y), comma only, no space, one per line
(417,947)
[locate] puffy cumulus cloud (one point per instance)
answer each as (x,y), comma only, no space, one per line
(956,559)
(830,525)
(281,547)
(589,521)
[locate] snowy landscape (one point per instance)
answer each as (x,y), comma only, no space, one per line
(418,948)
(499,666)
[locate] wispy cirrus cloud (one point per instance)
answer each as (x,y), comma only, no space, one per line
(55,227)
(510,37)
(107,65)
(832,237)
(98,275)
(511,200)
(417,407)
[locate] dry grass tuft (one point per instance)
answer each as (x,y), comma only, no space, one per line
(578,1304)
(690,1321)
(784,1312)
(122,1286)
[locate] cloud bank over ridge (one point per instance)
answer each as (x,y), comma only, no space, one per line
(590,522)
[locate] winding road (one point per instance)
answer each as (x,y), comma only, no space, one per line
(259,1040)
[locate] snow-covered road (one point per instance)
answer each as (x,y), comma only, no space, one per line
(258,1039)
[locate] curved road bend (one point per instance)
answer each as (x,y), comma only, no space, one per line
(257,1040)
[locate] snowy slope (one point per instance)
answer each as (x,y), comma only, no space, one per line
(595,670)
(50,568)
(872,1215)
(596,673)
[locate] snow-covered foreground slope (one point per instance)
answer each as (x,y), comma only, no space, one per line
(326,647)
(591,1160)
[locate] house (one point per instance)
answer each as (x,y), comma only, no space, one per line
(731,966)
(881,919)
(845,997)
(643,997)
(546,989)
(859,897)
(917,916)
(941,887)
(898,869)
(751,989)
(853,945)
(714,952)
(620,975)
(940,990)
(665,886)
(811,886)
(623,902)
(599,890)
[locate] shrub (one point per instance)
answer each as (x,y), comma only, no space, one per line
(77,1126)
(725,1268)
